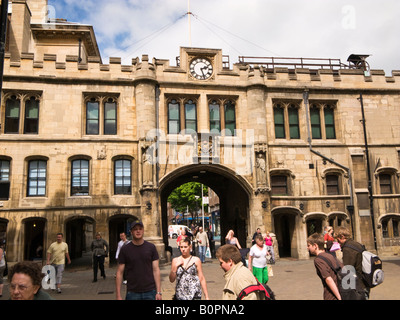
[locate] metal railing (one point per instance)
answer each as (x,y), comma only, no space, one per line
(310,63)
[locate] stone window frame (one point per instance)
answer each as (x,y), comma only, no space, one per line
(5,184)
(390,226)
(181,101)
(341,174)
(222,102)
(394,175)
(289,181)
(28,162)
(80,158)
(101,99)
(321,106)
(122,158)
(23,97)
(285,105)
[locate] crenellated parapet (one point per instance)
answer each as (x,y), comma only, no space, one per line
(159,70)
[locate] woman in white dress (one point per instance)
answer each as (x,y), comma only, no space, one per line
(188,273)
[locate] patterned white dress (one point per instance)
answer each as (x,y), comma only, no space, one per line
(187,283)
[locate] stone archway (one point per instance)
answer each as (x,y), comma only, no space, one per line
(287,228)
(233,191)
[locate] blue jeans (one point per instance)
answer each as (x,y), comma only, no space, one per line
(202,253)
(149,295)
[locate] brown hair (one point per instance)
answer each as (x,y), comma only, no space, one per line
(318,239)
(342,231)
(228,252)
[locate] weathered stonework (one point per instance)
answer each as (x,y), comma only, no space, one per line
(240,169)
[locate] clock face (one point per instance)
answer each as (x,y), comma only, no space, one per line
(201,68)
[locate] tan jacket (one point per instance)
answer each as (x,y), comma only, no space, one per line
(238,278)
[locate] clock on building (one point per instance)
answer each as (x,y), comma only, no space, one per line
(201,68)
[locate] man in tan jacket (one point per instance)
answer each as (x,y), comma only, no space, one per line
(237,276)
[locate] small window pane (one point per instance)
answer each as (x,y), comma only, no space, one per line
(230,118)
(279,120)
(110,118)
(215,123)
(173,117)
(190,116)
(329,123)
(315,123)
(294,123)
(12,115)
(92,117)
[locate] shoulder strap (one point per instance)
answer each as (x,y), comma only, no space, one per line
(355,248)
(336,270)
(253,288)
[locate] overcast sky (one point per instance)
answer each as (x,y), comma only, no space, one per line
(264,28)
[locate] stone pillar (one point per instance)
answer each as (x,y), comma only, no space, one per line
(145,96)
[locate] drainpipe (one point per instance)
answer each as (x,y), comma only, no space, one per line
(350,207)
(371,195)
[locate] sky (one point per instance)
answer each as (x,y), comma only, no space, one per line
(257,28)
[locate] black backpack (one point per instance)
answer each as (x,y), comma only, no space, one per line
(346,281)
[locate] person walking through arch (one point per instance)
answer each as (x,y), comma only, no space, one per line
(141,261)
(188,273)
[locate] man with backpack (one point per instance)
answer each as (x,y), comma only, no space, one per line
(352,255)
(315,245)
(237,276)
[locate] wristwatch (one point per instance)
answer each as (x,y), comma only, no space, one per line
(160,293)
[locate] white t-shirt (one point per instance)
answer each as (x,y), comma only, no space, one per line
(259,256)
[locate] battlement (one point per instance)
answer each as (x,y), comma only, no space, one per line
(161,70)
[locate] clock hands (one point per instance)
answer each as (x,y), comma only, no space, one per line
(202,71)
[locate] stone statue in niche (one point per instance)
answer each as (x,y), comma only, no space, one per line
(261,170)
(147,166)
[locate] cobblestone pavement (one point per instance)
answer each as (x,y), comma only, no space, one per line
(292,280)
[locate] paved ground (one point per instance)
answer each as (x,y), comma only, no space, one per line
(292,280)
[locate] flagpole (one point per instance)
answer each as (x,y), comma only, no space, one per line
(190,24)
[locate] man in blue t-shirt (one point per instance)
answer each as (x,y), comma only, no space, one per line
(140,260)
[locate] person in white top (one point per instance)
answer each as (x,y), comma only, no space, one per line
(123,241)
(258,260)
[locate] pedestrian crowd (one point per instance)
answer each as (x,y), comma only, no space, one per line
(246,271)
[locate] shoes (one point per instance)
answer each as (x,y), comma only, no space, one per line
(58,290)
(95,280)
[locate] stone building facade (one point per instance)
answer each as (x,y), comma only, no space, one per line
(87,147)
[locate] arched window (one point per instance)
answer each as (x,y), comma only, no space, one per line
(12,115)
(80,177)
(230,118)
(215,117)
(174,119)
(391,226)
(31,123)
(190,116)
(4,179)
(122,176)
(37,172)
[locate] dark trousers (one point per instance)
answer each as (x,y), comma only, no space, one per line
(98,262)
